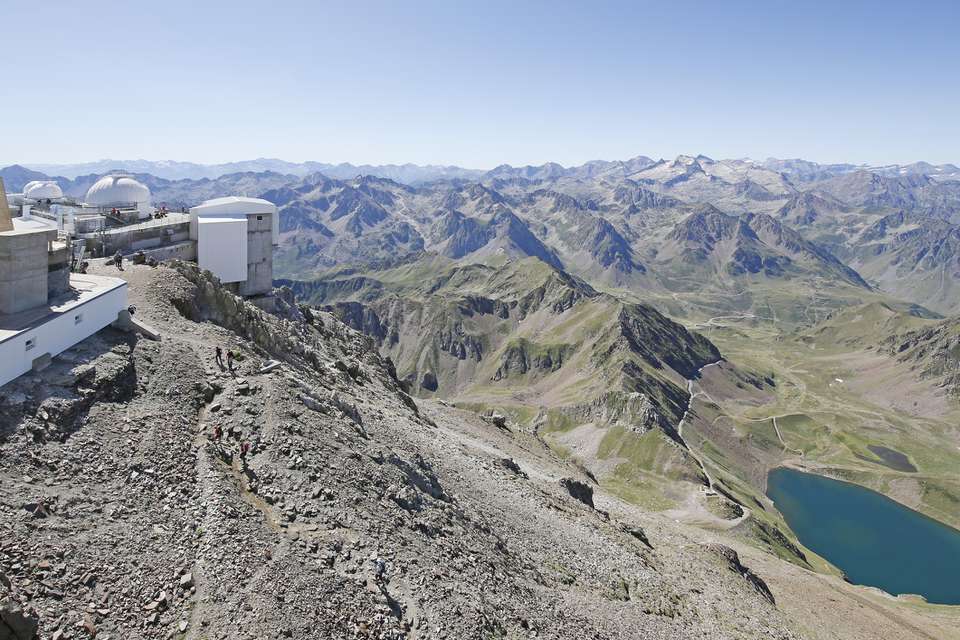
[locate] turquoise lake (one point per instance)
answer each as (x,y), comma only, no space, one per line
(872,539)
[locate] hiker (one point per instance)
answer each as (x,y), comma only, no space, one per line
(244,449)
(220,358)
(217,432)
(118,260)
(230,360)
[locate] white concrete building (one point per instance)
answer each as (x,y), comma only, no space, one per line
(122,191)
(29,339)
(235,237)
(44,309)
(222,247)
(241,206)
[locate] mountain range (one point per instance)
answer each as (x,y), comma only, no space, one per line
(173,170)
(797,170)
(723,229)
(472,388)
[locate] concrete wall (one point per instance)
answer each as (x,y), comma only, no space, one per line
(180,251)
(259,256)
(58,270)
(222,247)
(23,271)
(58,280)
(60,333)
(135,239)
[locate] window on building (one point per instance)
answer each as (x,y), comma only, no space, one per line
(77,319)
(30,344)
(259,217)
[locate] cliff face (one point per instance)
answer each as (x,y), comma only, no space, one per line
(147,492)
(934,352)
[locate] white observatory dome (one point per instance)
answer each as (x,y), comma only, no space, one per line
(42,190)
(118,189)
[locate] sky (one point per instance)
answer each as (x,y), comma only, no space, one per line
(478,84)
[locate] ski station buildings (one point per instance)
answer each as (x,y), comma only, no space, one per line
(46,306)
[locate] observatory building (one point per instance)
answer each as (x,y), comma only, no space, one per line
(120,191)
(235,237)
(42,190)
(45,309)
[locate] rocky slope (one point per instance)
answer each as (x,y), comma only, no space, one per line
(933,351)
(148,493)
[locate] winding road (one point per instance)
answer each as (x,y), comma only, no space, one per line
(692,395)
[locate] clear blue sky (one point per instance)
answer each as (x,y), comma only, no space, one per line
(478,83)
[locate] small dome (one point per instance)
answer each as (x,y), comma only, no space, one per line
(42,190)
(117,189)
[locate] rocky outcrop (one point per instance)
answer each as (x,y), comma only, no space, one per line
(559,292)
(360,317)
(632,410)
(774,234)
(578,490)
(660,341)
(17,623)
(732,562)
(522,356)
(100,370)
(460,344)
(933,352)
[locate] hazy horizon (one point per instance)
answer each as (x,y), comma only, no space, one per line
(120,161)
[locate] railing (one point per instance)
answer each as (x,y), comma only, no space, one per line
(169,220)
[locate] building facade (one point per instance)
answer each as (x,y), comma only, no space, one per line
(44,309)
(235,237)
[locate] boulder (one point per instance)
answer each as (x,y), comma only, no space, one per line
(17,623)
(732,561)
(578,490)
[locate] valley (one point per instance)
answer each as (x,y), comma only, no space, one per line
(808,375)
(666,332)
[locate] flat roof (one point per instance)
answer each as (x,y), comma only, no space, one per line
(84,288)
(22,226)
